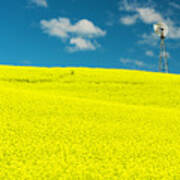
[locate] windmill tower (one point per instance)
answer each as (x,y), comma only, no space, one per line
(161,29)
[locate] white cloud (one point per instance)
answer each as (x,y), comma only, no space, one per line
(129,20)
(87,28)
(174,31)
(146,14)
(110,18)
(56,27)
(41,3)
(150,39)
(149,53)
(124,5)
(149,15)
(79,34)
(63,28)
(140,63)
(137,63)
(26,62)
(175,5)
(80,44)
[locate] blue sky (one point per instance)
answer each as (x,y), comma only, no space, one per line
(90,33)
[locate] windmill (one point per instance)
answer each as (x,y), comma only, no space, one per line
(161,29)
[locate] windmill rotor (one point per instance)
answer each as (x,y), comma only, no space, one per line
(161,29)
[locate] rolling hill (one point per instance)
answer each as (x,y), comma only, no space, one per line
(82,123)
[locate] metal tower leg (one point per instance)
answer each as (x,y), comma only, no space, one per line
(163,59)
(160,63)
(161,56)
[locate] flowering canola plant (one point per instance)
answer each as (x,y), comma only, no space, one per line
(88,124)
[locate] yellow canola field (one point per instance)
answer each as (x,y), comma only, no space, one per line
(88,124)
